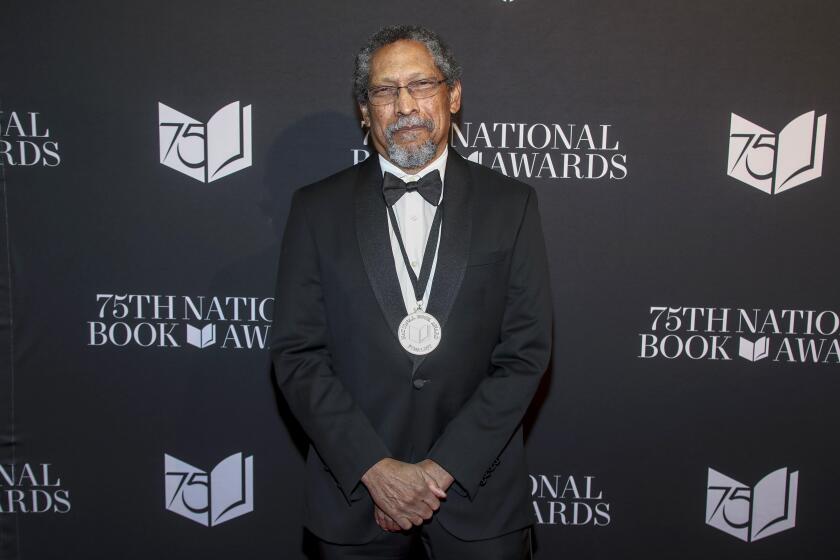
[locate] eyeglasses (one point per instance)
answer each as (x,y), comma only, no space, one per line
(418,89)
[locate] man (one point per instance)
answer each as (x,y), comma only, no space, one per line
(412,326)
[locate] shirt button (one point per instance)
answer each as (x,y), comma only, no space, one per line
(413,264)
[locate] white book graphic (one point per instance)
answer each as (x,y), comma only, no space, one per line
(475,157)
(203,337)
(748,513)
(210,499)
(775,163)
(206,152)
(754,351)
(418,334)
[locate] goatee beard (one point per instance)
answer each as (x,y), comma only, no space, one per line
(410,157)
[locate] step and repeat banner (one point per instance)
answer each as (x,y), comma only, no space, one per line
(686,164)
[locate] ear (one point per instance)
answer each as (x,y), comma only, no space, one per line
(455,97)
(363,109)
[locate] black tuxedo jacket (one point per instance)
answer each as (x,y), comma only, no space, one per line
(361,397)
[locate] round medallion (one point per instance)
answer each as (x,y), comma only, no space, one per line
(419,333)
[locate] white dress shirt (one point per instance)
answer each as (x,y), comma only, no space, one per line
(414,218)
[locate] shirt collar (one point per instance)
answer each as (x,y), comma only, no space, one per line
(439,164)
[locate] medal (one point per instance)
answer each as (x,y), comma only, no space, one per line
(419,332)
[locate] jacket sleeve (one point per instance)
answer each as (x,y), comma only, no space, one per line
(337,427)
(474,438)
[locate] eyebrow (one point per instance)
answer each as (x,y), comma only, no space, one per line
(410,78)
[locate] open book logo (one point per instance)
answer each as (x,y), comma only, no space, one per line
(475,157)
(210,498)
(206,152)
(752,513)
(754,351)
(776,162)
(418,333)
(203,337)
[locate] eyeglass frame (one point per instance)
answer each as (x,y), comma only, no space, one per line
(396,91)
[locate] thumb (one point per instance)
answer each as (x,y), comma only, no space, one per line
(436,490)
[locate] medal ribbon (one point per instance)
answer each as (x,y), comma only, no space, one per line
(419,284)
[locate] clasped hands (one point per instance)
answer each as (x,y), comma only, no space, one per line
(405,494)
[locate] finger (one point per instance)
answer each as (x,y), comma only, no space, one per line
(435,487)
(386,522)
(424,503)
(416,520)
(419,510)
(425,511)
(437,490)
(432,502)
(398,522)
(389,516)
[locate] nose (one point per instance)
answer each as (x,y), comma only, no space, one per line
(405,103)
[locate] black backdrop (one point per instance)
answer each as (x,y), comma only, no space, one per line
(640,401)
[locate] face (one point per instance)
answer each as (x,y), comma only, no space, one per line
(409,132)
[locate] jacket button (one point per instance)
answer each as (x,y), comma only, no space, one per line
(418,383)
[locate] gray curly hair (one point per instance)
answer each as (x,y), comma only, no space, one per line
(440,51)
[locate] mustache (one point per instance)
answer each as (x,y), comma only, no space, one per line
(409,121)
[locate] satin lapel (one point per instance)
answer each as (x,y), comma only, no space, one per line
(375,243)
(454,244)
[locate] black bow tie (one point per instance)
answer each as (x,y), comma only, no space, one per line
(429,186)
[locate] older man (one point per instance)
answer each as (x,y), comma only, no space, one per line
(412,326)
